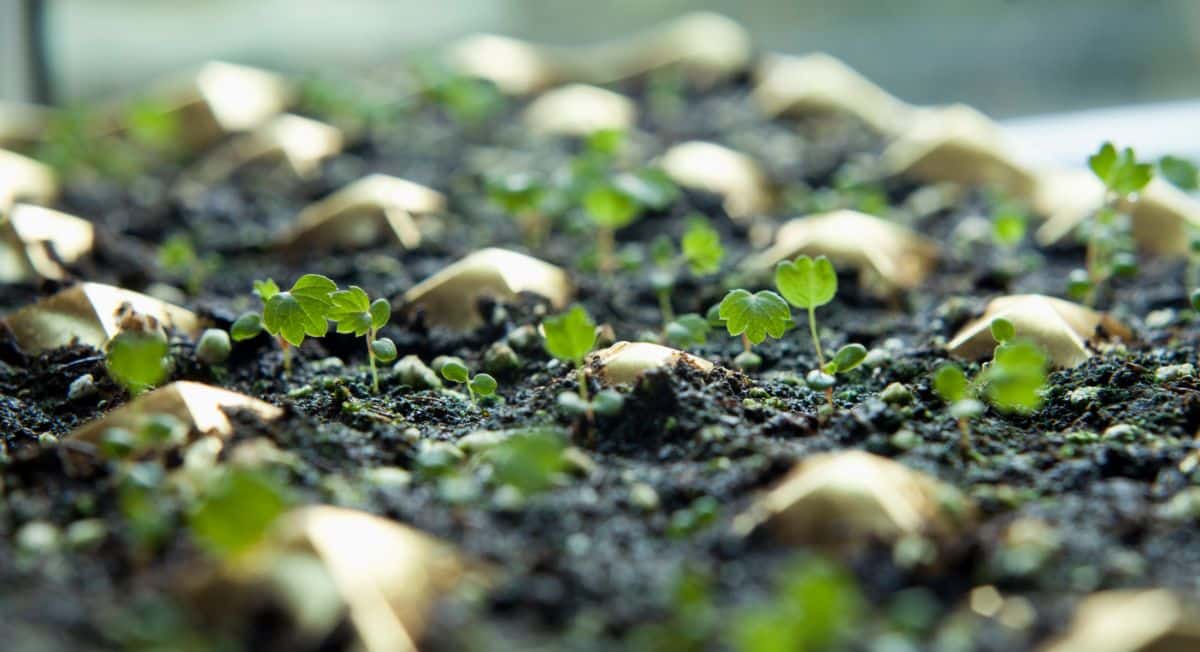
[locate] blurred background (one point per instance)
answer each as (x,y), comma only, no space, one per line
(1009,58)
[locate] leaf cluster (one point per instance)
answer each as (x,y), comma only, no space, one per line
(1120,172)
(1012,381)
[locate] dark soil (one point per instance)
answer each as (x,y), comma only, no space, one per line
(582,566)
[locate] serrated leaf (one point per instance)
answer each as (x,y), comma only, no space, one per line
(571,335)
(702,248)
(1120,172)
(266,289)
(350,310)
(1103,162)
(755,315)
(950,383)
(301,311)
(806,282)
(381,312)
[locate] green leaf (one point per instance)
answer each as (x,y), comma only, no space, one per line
(1015,378)
(702,247)
(266,289)
(688,330)
(381,312)
(605,142)
(528,460)
(807,283)
(246,327)
(1120,172)
(849,357)
(571,335)
(455,371)
(351,310)
(1009,224)
(1181,172)
(610,207)
(517,194)
(950,383)
(755,315)
(483,384)
(236,512)
(651,187)
(1002,330)
(138,360)
(301,311)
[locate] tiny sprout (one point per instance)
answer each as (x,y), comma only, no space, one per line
(213,347)
(755,316)
(1010,222)
(610,208)
(1012,381)
(570,336)
(138,357)
(1109,232)
(290,316)
(700,251)
(354,312)
(687,330)
(455,371)
(521,196)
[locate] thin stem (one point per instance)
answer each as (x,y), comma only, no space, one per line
(664,305)
(745,343)
(606,245)
(287,356)
(371,358)
(829,397)
(470,391)
(964,437)
(812,328)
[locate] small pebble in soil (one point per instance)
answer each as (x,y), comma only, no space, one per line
(86,533)
(81,387)
(1084,395)
(876,358)
(896,394)
(1171,372)
(411,371)
(643,497)
(388,477)
(1160,318)
(905,439)
(38,537)
(508,499)
(500,359)
(47,440)
(1122,432)
(747,361)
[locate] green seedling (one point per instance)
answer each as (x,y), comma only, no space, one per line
(754,317)
(236,511)
(528,461)
(354,312)
(815,606)
(1180,172)
(469,101)
(1109,242)
(1011,382)
(289,317)
(154,432)
(138,357)
(609,208)
(810,283)
(570,337)
(455,371)
(1010,222)
(701,253)
(521,196)
(178,257)
(349,106)
(213,347)
(687,330)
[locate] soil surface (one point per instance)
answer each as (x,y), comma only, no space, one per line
(642,512)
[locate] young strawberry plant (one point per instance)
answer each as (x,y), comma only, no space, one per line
(1110,249)
(1011,382)
(291,316)
(700,252)
(570,337)
(809,284)
(455,371)
(754,317)
(354,312)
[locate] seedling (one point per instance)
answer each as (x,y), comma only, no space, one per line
(814,607)
(609,208)
(138,357)
(1109,244)
(178,256)
(455,371)
(1012,382)
(354,312)
(521,196)
(289,317)
(754,317)
(811,283)
(1180,172)
(700,251)
(570,337)
(236,511)
(1010,222)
